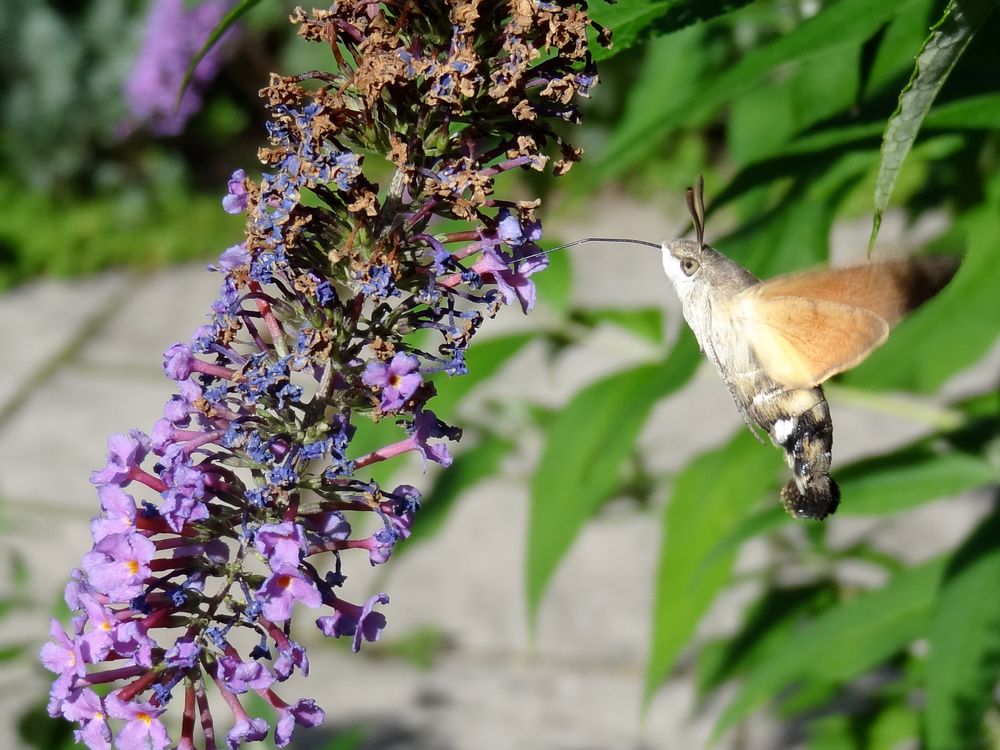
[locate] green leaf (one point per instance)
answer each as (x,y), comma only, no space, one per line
(964,657)
(468,469)
(555,284)
(369,436)
(10,653)
(886,725)
(764,118)
(483,359)
(761,522)
(238,11)
(709,499)
(972,113)
(941,50)
(759,122)
(894,725)
(584,450)
(953,330)
(421,647)
(646,322)
(842,24)
(894,46)
(846,641)
(674,64)
(908,477)
(632,21)
(352,738)
(36,729)
(795,233)
(816,149)
(765,627)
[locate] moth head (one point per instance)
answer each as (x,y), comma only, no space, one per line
(683,259)
(683,262)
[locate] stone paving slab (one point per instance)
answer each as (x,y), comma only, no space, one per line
(163,309)
(43,317)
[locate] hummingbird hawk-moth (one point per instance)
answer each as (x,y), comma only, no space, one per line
(775,342)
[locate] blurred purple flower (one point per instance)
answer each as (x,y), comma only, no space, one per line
(237,197)
(173,35)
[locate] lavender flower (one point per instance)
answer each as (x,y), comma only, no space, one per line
(237,197)
(241,506)
(397,380)
(173,36)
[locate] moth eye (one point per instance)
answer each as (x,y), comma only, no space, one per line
(689,266)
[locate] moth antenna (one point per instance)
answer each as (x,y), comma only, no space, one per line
(696,207)
(587,239)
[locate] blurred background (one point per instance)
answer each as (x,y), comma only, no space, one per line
(606,564)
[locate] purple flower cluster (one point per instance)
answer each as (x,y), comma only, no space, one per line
(244,500)
(173,36)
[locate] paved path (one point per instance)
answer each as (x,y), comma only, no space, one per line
(82,360)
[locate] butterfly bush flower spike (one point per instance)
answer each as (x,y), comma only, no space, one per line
(237,519)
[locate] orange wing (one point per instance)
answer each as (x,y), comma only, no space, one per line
(801,342)
(806,327)
(889,289)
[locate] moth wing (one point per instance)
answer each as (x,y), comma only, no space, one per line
(888,289)
(800,342)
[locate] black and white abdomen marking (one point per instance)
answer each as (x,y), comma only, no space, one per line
(798,422)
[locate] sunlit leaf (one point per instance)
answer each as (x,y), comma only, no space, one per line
(634,20)
(895,45)
(709,498)
(420,647)
(846,641)
(669,64)
(816,149)
(964,658)
(946,43)
(10,653)
(764,521)
(909,477)
(885,725)
(585,448)
(765,627)
(893,726)
(352,738)
(36,729)
(842,24)
(795,233)
(646,322)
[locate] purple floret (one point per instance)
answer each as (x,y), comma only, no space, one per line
(397,379)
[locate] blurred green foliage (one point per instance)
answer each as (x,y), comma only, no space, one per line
(82,192)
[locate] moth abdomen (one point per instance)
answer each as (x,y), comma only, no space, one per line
(801,426)
(819,498)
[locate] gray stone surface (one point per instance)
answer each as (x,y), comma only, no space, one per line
(577,685)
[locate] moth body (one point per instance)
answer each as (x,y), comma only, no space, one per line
(796,419)
(775,342)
